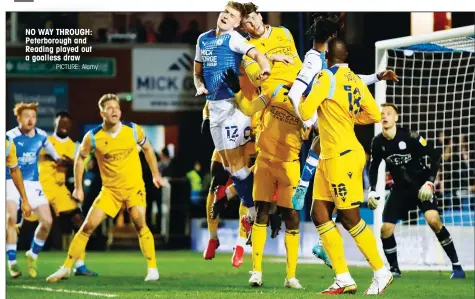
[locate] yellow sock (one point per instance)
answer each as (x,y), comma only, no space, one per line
(366,242)
(77,247)
(292,241)
(82,256)
(259,234)
(333,244)
(242,211)
(147,245)
(212,224)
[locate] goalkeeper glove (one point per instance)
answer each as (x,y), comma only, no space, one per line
(373,200)
(426,191)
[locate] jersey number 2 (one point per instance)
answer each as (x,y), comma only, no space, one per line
(354,98)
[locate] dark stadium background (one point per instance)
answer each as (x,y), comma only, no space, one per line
(361,31)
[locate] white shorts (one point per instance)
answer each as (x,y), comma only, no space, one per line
(230,128)
(34,192)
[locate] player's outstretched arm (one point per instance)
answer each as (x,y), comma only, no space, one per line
(84,151)
(262,61)
(198,79)
(320,91)
(387,75)
(149,153)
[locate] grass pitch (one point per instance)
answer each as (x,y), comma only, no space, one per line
(185,274)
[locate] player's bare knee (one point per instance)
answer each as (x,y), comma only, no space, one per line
(291,218)
(46,222)
(349,218)
(11,220)
(434,223)
(262,209)
(387,230)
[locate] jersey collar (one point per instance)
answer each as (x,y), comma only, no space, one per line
(62,140)
(113,135)
(268,31)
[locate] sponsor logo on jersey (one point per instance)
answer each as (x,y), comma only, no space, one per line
(116,155)
(398,159)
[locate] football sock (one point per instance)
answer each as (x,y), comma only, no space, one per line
(366,242)
(11,254)
(292,240)
(259,234)
(446,241)
(212,224)
(309,168)
(147,245)
(77,247)
(36,246)
(333,244)
(390,250)
(242,231)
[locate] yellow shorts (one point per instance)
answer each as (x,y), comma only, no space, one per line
(60,199)
(110,201)
(340,180)
(271,177)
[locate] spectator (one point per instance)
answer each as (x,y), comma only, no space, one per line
(168,29)
(150,33)
(194,178)
(190,36)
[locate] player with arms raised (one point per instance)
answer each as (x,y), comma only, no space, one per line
(53,181)
(404,151)
(216,51)
(12,206)
(115,146)
(29,140)
(341,100)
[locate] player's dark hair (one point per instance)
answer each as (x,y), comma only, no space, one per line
(249,8)
(62,114)
(324,26)
(392,106)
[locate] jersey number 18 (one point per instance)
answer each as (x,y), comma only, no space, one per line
(354,98)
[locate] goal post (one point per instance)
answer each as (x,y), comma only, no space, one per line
(436,97)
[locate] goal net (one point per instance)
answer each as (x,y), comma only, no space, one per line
(436,97)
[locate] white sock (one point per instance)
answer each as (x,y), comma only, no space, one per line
(345,277)
(241,242)
(242,173)
(79,263)
(381,272)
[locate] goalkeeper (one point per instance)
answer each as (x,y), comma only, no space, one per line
(404,152)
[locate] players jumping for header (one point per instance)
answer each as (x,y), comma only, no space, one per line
(404,153)
(341,99)
(114,144)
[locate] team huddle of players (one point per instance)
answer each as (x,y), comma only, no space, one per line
(267,111)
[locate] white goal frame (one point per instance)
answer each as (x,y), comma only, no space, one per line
(381,48)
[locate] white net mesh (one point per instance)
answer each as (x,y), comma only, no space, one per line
(436,98)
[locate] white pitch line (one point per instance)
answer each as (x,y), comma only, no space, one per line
(67,291)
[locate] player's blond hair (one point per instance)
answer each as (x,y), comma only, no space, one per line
(392,106)
(20,107)
(237,6)
(106,98)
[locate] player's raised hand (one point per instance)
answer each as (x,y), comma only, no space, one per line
(373,200)
(25,207)
(201,90)
(232,81)
(426,191)
(78,195)
(388,75)
(282,58)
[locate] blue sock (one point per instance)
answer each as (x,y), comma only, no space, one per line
(244,189)
(36,246)
(11,253)
(309,168)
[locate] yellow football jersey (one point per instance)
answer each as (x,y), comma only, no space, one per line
(280,136)
(341,100)
(276,40)
(117,155)
(50,173)
(10,152)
